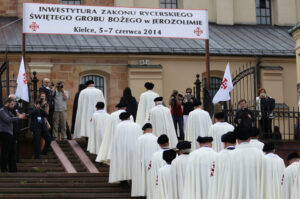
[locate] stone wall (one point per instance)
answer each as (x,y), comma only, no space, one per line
(8,8)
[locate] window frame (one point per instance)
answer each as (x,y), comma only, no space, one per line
(71,2)
(263,13)
(95,75)
(214,85)
(164,3)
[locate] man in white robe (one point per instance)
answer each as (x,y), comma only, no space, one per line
(229,142)
(289,177)
(254,139)
(146,103)
(86,107)
(178,169)
(123,148)
(244,171)
(146,145)
(98,123)
(162,122)
(199,123)
(164,182)
(273,172)
(200,170)
(218,129)
(155,163)
(109,132)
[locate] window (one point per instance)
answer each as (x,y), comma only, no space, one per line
(263,12)
(74,2)
(168,3)
(215,84)
(98,80)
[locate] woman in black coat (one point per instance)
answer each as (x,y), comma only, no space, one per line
(130,102)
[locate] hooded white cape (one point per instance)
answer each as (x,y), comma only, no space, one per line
(87,101)
(199,173)
(162,123)
(164,182)
(219,176)
(146,145)
(256,143)
(244,173)
(178,170)
(146,103)
(199,123)
(289,179)
(98,124)
(274,168)
(122,151)
(216,131)
(109,132)
(155,163)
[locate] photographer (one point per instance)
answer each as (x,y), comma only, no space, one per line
(188,105)
(39,128)
(265,106)
(6,133)
(176,109)
(60,111)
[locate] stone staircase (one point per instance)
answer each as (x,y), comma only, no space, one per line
(47,178)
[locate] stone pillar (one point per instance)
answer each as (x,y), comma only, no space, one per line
(295,32)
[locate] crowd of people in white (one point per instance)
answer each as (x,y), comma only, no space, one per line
(214,161)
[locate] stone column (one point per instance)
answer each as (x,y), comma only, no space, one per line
(295,32)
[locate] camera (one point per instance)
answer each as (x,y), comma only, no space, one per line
(60,84)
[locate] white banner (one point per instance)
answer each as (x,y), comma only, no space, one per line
(114,21)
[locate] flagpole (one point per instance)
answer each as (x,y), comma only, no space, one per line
(24,47)
(207,63)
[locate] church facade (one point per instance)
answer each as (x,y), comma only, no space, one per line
(242,32)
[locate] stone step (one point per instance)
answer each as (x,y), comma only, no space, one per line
(34,161)
(68,195)
(53,180)
(65,190)
(40,169)
(59,185)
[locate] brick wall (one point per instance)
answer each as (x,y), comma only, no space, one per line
(98,2)
(8,8)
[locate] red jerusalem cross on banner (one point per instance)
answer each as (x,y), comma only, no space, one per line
(224,84)
(198,31)
(34,26)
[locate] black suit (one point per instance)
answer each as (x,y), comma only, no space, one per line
(39,128)
(246,121)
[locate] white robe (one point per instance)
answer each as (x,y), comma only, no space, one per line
(146,103)
(146,145)
(122,152)
(244,173)
(296,187)
(199,123)
(87,101)
(178,170)
(216,131)
(288,181)
(218,180)
(199,173)
(155,163)
(162,123)
(256,143)
(99,121)
(109,132)
(164,182)
(274,168)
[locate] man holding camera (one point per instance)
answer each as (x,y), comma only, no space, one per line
(60,110)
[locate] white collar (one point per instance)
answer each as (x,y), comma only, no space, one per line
(100,111)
